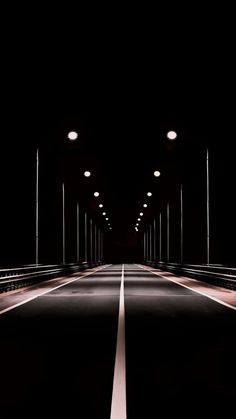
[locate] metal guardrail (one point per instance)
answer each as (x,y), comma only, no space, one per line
(18,277)
(224,276)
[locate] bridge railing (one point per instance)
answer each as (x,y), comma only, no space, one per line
(224,276)
(21,276)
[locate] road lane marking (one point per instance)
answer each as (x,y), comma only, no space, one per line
(5,310)
(118,404)
(191,289)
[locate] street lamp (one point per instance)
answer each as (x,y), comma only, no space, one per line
(171,135)
(72,135)
(37,208)
(208,208)
(63,222)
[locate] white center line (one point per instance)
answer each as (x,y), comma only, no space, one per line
(118,404)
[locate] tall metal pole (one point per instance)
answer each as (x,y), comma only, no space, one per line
(37,209)
(168,231)
(181,225)
(99,245)
(95,243)
(102,246)
(208,209)
(91,240)
(85,238)
(160,253)
(144,246)
(147,246)
(154,240)
(63,223)
(150,241)
(78,258)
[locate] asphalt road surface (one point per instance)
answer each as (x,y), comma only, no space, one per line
(74,352)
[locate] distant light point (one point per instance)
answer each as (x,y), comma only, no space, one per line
(171,135)
(72,135)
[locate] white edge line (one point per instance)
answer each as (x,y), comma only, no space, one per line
(5,310)
(118,404)
(191,289)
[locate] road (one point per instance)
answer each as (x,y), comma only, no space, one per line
(74,350)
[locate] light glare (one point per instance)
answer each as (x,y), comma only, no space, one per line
(157,173)
(171,135)
(72,135)
(87,173)
(96,194)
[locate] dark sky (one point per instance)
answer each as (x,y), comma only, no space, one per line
(122,95)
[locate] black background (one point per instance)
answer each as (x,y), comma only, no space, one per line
(122,88)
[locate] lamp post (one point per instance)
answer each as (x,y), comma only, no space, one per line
(63,224)
(77,231)
(181,225)
(91,241)
(37,209)
(160,253)
(168,231)
(208,208)
(144,246)
(95,244)
(101,246)
(150,243)
(85,238)
(154,240)
(72,136)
